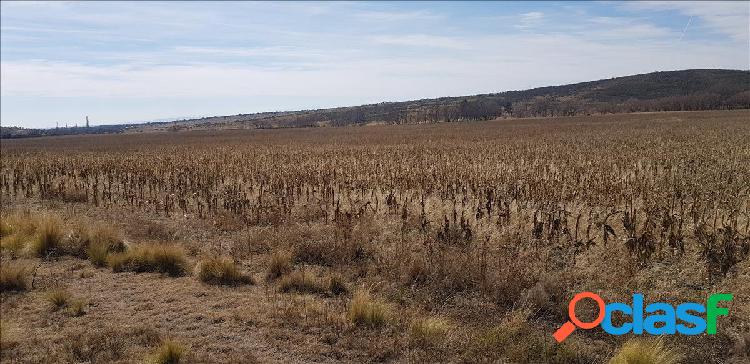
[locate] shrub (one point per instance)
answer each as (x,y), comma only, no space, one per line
(221,270)
(59,298)
(645,351)
(170,352)
(48,236)
(428,331)
(167,259)
(364,311)
(280,264)
(301,282)
(13,276)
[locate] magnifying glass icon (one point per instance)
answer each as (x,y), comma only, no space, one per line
(568,327)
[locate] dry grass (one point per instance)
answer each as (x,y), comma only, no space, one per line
(9,334)
(493,226)
(221,271)
(58,298)
(168,259)
(48,237)
(169,352)
(77,307)
(301,282)
(14,276)
(5,227)
(18,231)
(645,351)
(365,311)
(280,264)
(336,285)
(429,332)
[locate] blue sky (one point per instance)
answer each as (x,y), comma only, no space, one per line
(123,62)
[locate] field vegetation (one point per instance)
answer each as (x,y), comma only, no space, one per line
(453,242)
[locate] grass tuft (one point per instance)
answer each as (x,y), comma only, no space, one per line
(222,271)
(300,282)
(645,351)
(77,308)
(367,312)
(59,298)
(168,259)
(170,352)
(336,285)
(48,237)
(13,276)
(280,264)
(429,331)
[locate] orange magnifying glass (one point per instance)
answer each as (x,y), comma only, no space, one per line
(568,327)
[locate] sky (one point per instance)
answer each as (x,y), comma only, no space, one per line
(126,62)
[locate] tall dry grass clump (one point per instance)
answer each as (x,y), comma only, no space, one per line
(430,331)
(301,282)
(221,271)
(280,264)
(14,276)
(103,240)
(58,298)
(365,311)
(645,351)
(169,352)
(18,231)
(168,259)
(48,236)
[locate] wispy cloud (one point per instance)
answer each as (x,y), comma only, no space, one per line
(214,58)
(731,18)
(421,40)
(530,20)
(389,16)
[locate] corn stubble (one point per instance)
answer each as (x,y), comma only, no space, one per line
(491,227)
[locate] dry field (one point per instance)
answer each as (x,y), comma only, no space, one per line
(459,242)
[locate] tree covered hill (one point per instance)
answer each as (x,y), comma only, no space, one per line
(687,90)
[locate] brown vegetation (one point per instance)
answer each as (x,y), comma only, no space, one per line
(453,242)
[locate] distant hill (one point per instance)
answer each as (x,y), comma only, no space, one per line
(700,89)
